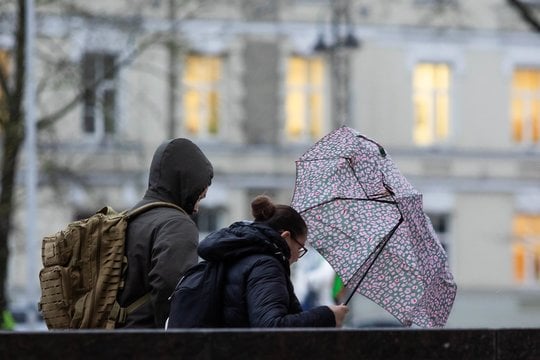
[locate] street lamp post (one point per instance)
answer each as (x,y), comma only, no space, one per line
(339,49)
(31,164)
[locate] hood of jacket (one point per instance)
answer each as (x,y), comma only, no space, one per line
(179,173)
(242,239)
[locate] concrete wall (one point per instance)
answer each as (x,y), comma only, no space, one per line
(481,344)
(483,224)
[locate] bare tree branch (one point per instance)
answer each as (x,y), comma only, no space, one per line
(50,119)
(526,14)
(188,10)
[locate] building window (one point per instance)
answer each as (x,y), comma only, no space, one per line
(209,219)
(431,99)
(201,100)
(526,248)
(525,109)
(100,103)
(441,226)
(304,98)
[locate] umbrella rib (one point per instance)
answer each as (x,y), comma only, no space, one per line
(380,196)
(378,249)
(360,183)
(350,163)
(392,202)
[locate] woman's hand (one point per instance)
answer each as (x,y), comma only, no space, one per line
(339,312)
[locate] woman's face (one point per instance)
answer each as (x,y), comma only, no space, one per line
(296,245)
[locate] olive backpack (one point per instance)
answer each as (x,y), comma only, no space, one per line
(83,271)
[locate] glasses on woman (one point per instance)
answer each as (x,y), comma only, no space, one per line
(302,251)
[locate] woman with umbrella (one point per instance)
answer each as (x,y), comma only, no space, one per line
(258,291)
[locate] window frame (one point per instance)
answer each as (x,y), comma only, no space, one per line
(433,95)
(95,96)
(528,98)
(525,249)
(203,89)
(441,222)
(308,90)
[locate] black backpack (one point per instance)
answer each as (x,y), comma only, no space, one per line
(197,301)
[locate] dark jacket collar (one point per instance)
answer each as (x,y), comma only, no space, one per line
(242,239)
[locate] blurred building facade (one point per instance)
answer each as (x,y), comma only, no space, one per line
(450,88)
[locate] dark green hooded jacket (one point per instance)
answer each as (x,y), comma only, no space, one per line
(162,242)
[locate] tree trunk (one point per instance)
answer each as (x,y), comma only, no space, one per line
(13,133)
(11,150)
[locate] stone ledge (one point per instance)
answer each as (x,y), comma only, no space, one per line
(306,344)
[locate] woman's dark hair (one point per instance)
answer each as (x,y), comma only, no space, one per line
(278,217)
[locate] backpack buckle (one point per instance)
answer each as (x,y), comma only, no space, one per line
(118,313)
(122,315)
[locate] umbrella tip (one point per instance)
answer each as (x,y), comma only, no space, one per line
(382,151)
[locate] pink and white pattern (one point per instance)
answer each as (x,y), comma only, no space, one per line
(352,195)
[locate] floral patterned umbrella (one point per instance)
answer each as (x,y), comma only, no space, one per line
(368,222)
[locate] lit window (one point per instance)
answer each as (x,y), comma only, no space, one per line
(525,110)
(99,80)
(202,75)
(431,98)
(526,249)
(304,102)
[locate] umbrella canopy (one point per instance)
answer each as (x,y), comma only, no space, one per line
(368,222)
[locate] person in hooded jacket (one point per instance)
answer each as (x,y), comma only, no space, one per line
(258,291)
(161,243)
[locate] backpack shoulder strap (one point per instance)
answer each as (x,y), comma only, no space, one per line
(146,207)
(119,314)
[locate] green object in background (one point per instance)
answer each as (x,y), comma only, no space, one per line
(8,323)
(337,289)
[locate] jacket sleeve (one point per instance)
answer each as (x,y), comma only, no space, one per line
(269,300)
(173,252)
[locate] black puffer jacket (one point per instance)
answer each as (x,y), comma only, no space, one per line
(258,291)
(162,242)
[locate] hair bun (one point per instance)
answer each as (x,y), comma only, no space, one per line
(262,208)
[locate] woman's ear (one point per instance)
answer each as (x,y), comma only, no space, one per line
(285,234)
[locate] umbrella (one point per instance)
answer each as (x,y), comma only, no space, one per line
(368,222)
